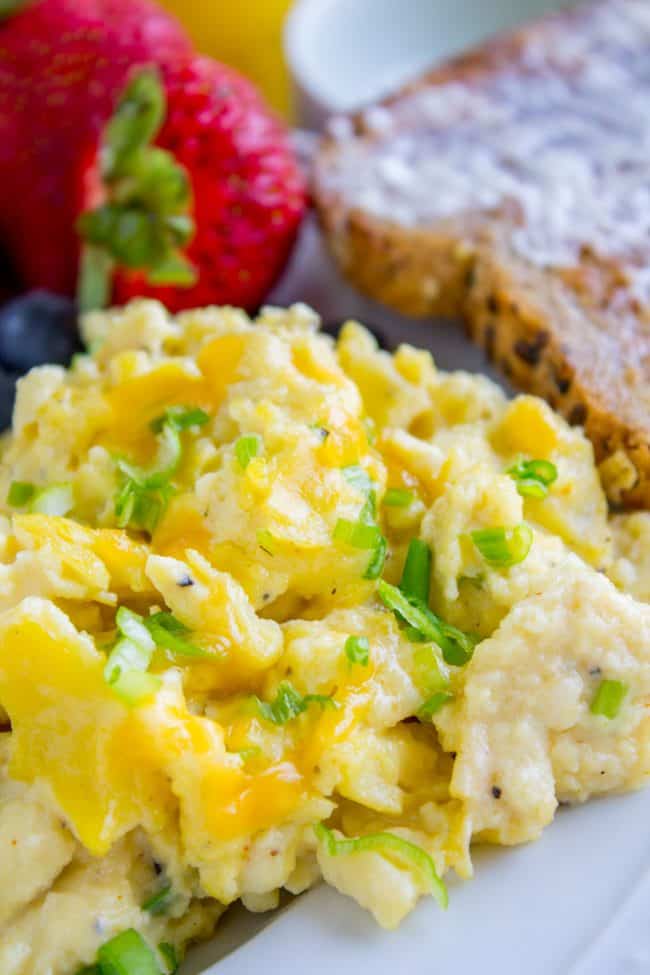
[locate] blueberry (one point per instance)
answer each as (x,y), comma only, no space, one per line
(36,328)
(7,396)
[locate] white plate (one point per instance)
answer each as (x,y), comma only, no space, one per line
(574,903)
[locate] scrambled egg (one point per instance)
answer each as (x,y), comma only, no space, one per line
(206,691)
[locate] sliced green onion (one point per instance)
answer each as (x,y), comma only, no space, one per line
(388,843)
(608,698)
(357,650)
(168,458)
(289,704)
(416,575)
(133,687)
(167,633)
(398,498)
(358,534)
(142,507)
(528,487)
(370,428)
(180,417)
(504,547)
(160,902)
(541,470)
(145,494)
(433,704)
(127,656)
(246,754)
(368,514)
(132,626)
(365,532)
(358,478)
(130,658)
(457,647)
(20,493)
(246,448)
(533,477)
(429,673)
(170,957)
(127,954)
(375,566)
(56,500)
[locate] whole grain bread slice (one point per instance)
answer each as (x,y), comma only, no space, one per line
(512,187)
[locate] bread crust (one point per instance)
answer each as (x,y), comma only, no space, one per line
(576,334)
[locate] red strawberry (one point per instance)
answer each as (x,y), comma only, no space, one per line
(63,66)
(249,194)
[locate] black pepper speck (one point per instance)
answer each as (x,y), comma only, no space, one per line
(496,791)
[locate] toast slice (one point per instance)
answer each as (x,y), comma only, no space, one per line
(511,187)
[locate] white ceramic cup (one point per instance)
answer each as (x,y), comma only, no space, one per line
(343,54)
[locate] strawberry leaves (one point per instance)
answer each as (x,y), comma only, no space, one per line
(10,7)
(144,222)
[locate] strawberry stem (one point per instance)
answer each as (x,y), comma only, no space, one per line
(95,277)
(145,220)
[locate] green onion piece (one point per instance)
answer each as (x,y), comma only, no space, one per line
(131,625)
(358,478)
(398,498)
(20,492)
(357,650)
(375,566)
(358,534)
(370,427)
(246,754)
(540,470)
(528,487)
(56,500)
(433,704)
(142,507)
(127,656)
(504,547)
(288,704)
(533,477)
(127,954)
(181,418)
(608,698)
(429,674)
(168,458)
(160,902)
(368,514)
(246,448)
(365,532)
(416,575)
(133,687)
(169,956)
(383,843)
(144,495)
(457,647)
(128,662)
(167,633)
(89,970)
